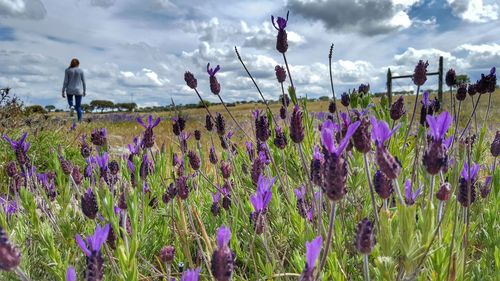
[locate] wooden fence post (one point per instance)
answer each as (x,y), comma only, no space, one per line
(440,86)
(389,86)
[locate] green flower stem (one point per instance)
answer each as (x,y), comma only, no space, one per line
(412,116)
(398,192)
(328,239)
(366,268)
(372,192)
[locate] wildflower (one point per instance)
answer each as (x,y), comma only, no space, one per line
(146,168)
(98,137)
(190,80)
(122,200)
(451,78)
(332,107)
(281,39)
(280,73)
(361,138)
(345,100)
(411,196)
(260,200)
(226,192)
(280,139)
(317,167)
(257,168)
(444,192)
(148,135)
(398,109)
(102,161)
(216,197)
(262,130)
(48,184)
(135,147)
(223,258)
(461,92)
(420,73)
(383,185)
(435,157)
(283,113)
(167,254)
(197,135)
(485,187)
(20,148)
(131,169)
(89,204)
(190,275)
(10,257)
(296,126)
(225,169)
(213,155)
(11,169)
(9,206)
(335,167)
(70,274)
(194,160)
(220,124)
(285,100)
(66,165)
(467,178)
(92,249)
(250,150)
(472,89)
(178,125)
(214,84)
(364,88)
(184,137)
(209,125)
(495,145)
(182,187)
(427,109)
(85,148)
(313,249)
(387,163)
(114,168)
(365,237)
(301,203)
(76,175)
(487,83)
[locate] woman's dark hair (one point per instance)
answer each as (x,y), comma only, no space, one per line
(74,63)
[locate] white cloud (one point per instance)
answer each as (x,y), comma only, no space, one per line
(29,9)
(481,56)
(144,78)
(103,3)
(474,10)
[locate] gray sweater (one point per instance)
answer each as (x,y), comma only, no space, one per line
(74,81)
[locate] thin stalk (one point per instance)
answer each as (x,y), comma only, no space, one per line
(21,274)
(372,192)
(457,117)
(385,208)
(467,210)
(451,98)
(306,169)
(204,104)
(431,189)
(440,214)
(488,109)
(330,55)
(288,70)
(328,239)
(412,116)
(276,170)
(283,158)
(475,116)
(366,268)
(168,266)
(450,254)
(470,118)
(197,238)
(398,192)
(392,128)
(232,117)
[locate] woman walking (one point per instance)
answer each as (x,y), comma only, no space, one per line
(74,86)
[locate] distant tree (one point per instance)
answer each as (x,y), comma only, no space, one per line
(86,108)
(50,107)
(102,105)
(34,109)
(200,104)
(324,98)
(462,79)
(131,106)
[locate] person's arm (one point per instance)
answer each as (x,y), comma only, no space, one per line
(65,83)
(83,83)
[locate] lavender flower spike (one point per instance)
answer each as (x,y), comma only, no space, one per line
(93,243)
(439,125)
(313,249)
(191,275)
(474,169)
(263,196)
(148,137)
(411,196)
(328,136)
(70,274)
(214,84)
(223,257)
(381,131)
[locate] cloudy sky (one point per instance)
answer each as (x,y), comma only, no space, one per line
(139,50)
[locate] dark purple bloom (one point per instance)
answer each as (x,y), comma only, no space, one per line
(444,192)
(467,177)
(183,138)
(213,155)
(364,88)
(209,125)
(435,157)
(285,101)
(190,80)
(495,145)
(387,163)
(426,110)
(485,188)
(365,237)
(420,73)
(197,135)
(296,126)
(451,78)
(135,147)
(77,175)
(411,196)
(280,73)
(220,124)
(146,168)
(332,107)
(114,168)
(345,100)
(250,150)
(98,137)
(461,92)
(182,187)
(11,169)
(131,168)
(225,169)
(223,257)
(382,185)
(92,249)
(313,249)
(398,109)
(281,39)
(148,136)
(194,160)
(280,139)
(178,125)
(262,130)
(89,204)
(361,138)
(85,148)
(167,254)
(472,90)
(10,257)
(20,147)
(102,162)
(317,167)
(66,165)
(487,83)
(214,84)
(301,203)
(9,207)
(191,275)
(216,197)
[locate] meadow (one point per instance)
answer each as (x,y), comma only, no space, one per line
(354,190)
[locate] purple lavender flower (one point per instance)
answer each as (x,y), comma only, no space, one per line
(461,92)
(220,124)
(92,249)
(301,203)
(135,147)
(260,200)
(190,80)
(495,145)
(70,274)
(250,150)
(381,133)
(214,84)
(10,257)
(184,137)
(9,206)
(472,89)
(191,275)
(487,83)
(48,185)
(435,157)
(485,187)
(216,198)
(420,73)
(345,100)
(262,130)
(225,169)
(11,169)
(280,73)
(98,137)
(365,237)
(451,77)
(209,125)
(332,107)
(281,38)
(317,167)
(148,136)
(280,139)
(20,147)
(296,126)
(444,192)
(85,148)
(382,184)
(398,109)
(146,168)
(182,187)
(426,110)
(197,135)
(213,155)
(167,254)
(178,125)
(335,167)
(313,249)
(411,196)
(89,204)
(467,177)
(131,169)
(223,257)
(194,160)
(364,88)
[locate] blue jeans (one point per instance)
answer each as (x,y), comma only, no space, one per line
(78,103)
